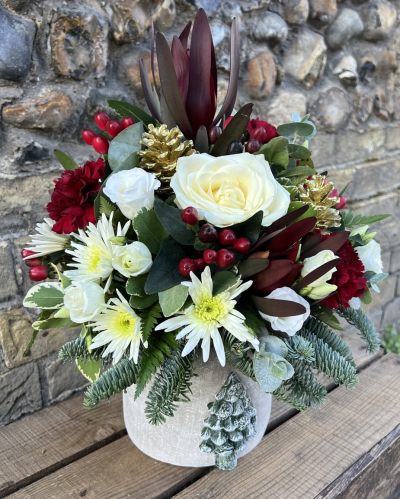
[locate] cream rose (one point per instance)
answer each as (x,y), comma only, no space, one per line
(370,255)
(84,300)
(229,189)
(132,190)
(289,325)
(319,288)
(133,259)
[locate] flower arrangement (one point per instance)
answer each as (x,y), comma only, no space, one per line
(202,229)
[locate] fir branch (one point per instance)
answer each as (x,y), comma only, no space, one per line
(300,349)
(172,384)
(329,337)
(236,354)
(149,320)
(366,328)
(302,390)
(113,381)
(77,350)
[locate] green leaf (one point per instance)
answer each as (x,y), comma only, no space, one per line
(295,129)
(173,299)
(377,278)
(47,295)
(275,152)
(223,281)
(149,230)
(199,246)
(356,238)
(126,109)
(164,272)
(350,220)
(326,315)
(294,205)
(253,320)
(106,207)
(65,282)
(142,302)
(298,171)
(90,369)
(135,285)
(149,320)
(66,161)
(170,217)
(249,228)
(233,131)
(53,323)
(366,297)
(125,147)
(298,152)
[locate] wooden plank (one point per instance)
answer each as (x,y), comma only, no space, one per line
(118,470)
(376,474)
(47,440)
(310,451)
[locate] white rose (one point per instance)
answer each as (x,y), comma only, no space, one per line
(132,259)
(229,189)
(84,301)
(370,255)
(132,190)
(289,325)
(314,262)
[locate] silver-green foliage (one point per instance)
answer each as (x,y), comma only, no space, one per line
(362,322)
(77,350)
(231,424)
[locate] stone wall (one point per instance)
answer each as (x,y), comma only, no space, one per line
(61,60)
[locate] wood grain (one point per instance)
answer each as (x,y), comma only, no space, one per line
(116,471)
(53,437)
(310,451)
(375,475)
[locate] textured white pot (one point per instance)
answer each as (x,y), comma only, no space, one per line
(177,441)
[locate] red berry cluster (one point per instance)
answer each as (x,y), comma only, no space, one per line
(37,271)
(112,127)
(208,234)
(342,203)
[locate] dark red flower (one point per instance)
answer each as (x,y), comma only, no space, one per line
(270,129)
(349,277)
(71,206)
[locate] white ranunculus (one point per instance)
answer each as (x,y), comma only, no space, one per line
(289,325)
(227,190)
(132,259)
(370,255)
(84,301)
(132,190)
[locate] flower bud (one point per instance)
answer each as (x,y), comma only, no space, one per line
(119,240)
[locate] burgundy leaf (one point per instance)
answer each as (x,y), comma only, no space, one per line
(152,59)
(310,242)
(181,64)
(184,36)
(201,100)
(316,274)
(265,238)
(147,91)
(292,234)
(288,280)
(334,244)
(230,98)
(233,131)
(286,219)
(252,266)
(276,270)
(170,86)
(166,116)
(278,308)
(201,142)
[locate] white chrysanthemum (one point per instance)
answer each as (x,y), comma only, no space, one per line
(120,328)
(202,320)
(93,258)
(46,241)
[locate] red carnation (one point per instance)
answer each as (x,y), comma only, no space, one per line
(349,277)
(71,206)
(270,129)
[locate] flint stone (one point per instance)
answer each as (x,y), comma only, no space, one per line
(283,105)
(8,283)
(207,5)
(63,379)
(323,10)
(332,109)
(261,75)
(271,27)
(165,16)
(346,25)
(129,68)
(33,153)
(17,35)
(51,111)
(306,58)
(78,41)
(19,393)
(296,11)
(379,18)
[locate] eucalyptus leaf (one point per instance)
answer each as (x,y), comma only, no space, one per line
(298,129)
(173,299)
(170,217)
(366,297)
(149,230)
(273,344)
(271,369)
(275,151)
(298,152)
(124,148)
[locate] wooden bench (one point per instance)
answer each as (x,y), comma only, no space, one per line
(348,449)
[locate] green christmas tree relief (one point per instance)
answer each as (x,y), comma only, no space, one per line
(231,424)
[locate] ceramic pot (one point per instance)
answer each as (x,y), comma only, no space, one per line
(177,441)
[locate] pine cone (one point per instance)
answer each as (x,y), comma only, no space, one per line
(231,424)
(316,193)
(163,149)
